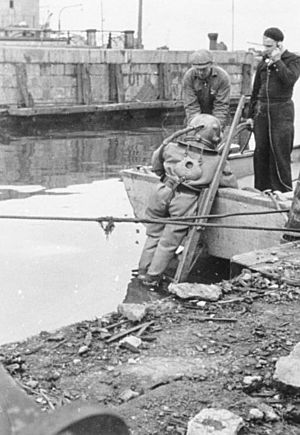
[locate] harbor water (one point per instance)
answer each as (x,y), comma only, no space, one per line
(55,273)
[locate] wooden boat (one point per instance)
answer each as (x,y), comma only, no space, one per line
(224,242)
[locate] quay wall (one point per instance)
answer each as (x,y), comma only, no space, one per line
(38,76)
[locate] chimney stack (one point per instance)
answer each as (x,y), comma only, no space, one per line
(213,37)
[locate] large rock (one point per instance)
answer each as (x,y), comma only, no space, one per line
(212,421)
(287,369)
(204,292)
(134,312)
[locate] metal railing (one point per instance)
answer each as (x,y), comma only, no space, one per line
(115,39)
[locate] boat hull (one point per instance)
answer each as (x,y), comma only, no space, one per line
(224,242)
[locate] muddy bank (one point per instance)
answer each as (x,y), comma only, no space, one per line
(192,356)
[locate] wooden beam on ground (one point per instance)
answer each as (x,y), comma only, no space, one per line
(122,334)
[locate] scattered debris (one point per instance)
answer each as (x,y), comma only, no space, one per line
(131,342)
(269,413)
(128,332)
(128,395)
(252,383)
(256,414)
(83,349)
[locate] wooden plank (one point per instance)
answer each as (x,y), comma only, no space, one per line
(278,262)
(119,84)
(84,94)
(246,79)
(24,98)
(191,244)
(87,88)
(116,85)
(161,81)
(112,89)
(205,202)
(167,81)
(109,107)
(79,84)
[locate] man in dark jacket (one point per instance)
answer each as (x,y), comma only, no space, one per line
(206,88)
(271,113)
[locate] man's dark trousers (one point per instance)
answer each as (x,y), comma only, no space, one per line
(274,137)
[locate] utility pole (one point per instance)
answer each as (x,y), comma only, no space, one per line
(102,23)
(232,25)
(140,25)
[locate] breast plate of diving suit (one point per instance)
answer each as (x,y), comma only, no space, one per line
(191,164)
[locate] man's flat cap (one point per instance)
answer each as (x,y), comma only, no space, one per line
(201,58)
(274,33)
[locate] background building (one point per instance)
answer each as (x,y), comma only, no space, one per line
(19,12)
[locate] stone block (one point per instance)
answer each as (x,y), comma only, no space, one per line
(212,421)
(100,89)
(8,81)
(231,68)
(205,292)
(236,79)
(134,312)
(8,96)
(33,69)
(45,69)
(235,90)
(69,69)
(287,371)
(7,69)
(33,82)
(57,69)
(98,69)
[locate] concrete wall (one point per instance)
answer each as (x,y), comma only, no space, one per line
(68,75)
(21,10)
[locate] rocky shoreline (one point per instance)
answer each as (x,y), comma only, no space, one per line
(188,356)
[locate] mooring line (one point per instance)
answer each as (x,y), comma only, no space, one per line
(111,220)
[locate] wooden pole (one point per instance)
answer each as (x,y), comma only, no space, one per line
(205,202)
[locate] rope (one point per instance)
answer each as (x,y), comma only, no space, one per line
(111,220)
(136,220)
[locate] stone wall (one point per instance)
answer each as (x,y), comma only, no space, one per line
(37,76)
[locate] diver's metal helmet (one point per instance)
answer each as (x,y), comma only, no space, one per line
(207,129)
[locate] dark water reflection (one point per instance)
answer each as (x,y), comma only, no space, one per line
(61,161)
(55,273)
